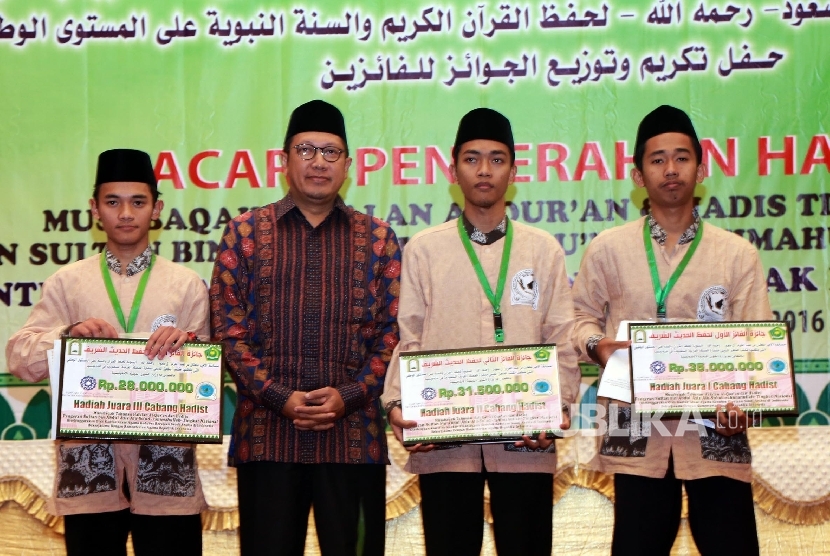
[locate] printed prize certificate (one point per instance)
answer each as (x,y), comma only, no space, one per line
(484,395)
(683,367)
(110,389)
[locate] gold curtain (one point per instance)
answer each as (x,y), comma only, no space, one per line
(791,487)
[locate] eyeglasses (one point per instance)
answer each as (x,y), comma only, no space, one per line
(307,152)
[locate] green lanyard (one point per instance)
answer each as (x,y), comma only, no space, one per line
(661,293)
(139,293)
(495,300)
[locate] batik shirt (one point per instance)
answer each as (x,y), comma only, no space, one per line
(300,308)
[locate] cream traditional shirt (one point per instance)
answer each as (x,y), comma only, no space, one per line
(723,281)
(443,306)
(163,478)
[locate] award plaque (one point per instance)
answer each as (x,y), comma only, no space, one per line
(684,367)
(482,395)
(110,389)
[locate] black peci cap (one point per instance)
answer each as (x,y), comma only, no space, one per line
(125,165)
(316,115)
(664,119)
(484,123)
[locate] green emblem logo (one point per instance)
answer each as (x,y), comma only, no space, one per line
(542,356)
(777,333)
(213,353)
(74,348)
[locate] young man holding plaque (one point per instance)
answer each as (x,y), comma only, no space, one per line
(304,297)
(449,275)
(670,266)
(108,489)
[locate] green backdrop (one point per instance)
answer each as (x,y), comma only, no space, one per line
(207,86)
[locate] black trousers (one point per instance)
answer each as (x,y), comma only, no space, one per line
(647,515)
(105,534)
(275,498)
(452,510)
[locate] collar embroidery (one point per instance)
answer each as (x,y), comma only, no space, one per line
(485,238)
(659,234)
(137,265)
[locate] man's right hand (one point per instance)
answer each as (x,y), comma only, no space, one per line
(303,421)
(93,328)
(398,423)
(296,398)
(606,347)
